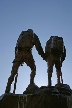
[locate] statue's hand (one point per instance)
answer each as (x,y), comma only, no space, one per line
(45,57)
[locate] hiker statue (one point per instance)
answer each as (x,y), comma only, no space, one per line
(23,53)
(56,53)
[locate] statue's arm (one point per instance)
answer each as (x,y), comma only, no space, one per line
(16,47)
(64,51)
(63,54)
(18,41)
(46,47)
(38,46)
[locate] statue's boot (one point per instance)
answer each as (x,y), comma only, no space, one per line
(58,77)
(10,80)
(49,82)
(7,89)
(49,77)
(31,81)
(58,82)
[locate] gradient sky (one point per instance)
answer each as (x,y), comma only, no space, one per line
(46,18)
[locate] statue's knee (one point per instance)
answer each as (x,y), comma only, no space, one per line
(58,74)
(15,66)
(50,74)
(35,70)
(33,73)
(14,71)
(50,70)
(58,68)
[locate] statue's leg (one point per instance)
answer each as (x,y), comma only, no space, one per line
(14,71)
(50,63)
(58,69)
(32,75)
(58,76)
(31,63)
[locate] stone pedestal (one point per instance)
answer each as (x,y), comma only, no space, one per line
(43,97)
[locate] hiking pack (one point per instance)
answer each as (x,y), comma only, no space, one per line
(55,45)
(25,39)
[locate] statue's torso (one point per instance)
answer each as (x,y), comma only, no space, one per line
(25,41)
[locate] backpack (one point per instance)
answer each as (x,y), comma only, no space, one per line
(25,40)
(55,45)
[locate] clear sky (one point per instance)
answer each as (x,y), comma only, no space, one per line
(46,18)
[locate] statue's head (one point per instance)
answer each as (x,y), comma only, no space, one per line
(30,30)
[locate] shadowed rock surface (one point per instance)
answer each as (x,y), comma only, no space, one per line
(43,97)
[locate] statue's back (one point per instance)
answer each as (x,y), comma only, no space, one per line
(25,39)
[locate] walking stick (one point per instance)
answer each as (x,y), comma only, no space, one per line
(61,72)
(15,83)
(61,78)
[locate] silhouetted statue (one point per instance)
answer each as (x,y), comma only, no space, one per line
(56,53)
(23,53)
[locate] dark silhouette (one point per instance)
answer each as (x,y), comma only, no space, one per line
(56,53)
(23,53)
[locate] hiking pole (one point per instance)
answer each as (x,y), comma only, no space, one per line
(61,78)
(61,72)
(15,83)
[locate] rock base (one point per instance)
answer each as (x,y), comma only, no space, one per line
(43,97)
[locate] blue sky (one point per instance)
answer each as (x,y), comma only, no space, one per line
(46,18)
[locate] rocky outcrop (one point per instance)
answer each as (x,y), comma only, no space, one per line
(43,97)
